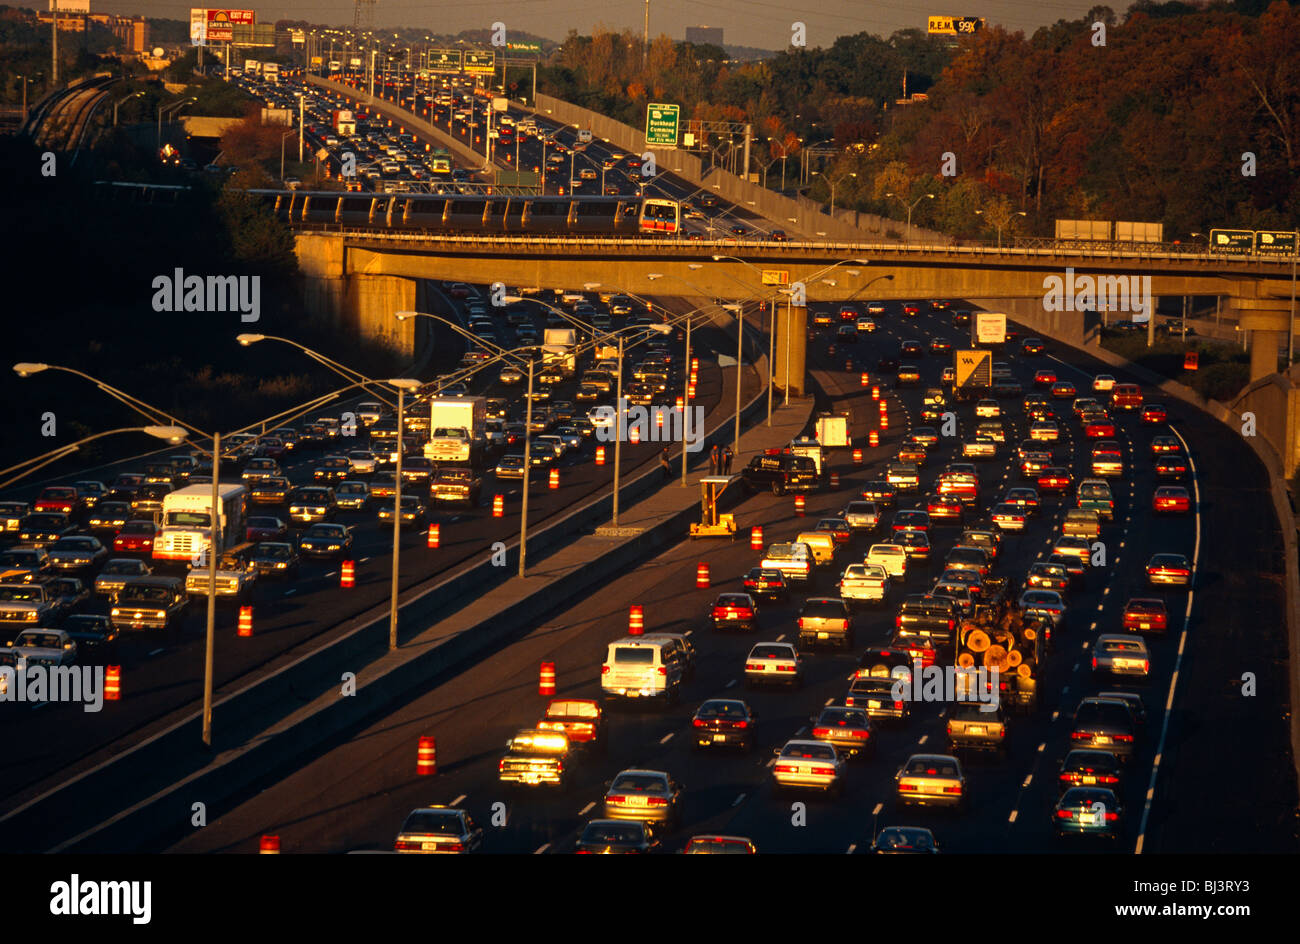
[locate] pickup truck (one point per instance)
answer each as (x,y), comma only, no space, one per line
(979,448)
(825,621)
(1083,523)
(26,604)
(236,574)
(971,729)
(864,583)
(149,603)
(1095,495)
(925,615)
(456,485)
(536,757)
(794,561)
(892,557)
(904,476)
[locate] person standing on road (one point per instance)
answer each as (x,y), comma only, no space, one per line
(665,464)
(726,460)
(715,460)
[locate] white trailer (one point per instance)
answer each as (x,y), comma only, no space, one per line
(187,521)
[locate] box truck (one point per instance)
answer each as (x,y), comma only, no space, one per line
(457,430)
(187,521)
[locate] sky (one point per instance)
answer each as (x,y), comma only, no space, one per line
(765,24)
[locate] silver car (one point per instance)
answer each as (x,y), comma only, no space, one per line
(1121,654)
(806,763)
(117,572)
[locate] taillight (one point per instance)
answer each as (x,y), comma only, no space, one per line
(616,799)
(663,670)
(1108,779)
(1094,662)
(1065,814)
(950,728)
(1124,738)
(898,620)
(821,732)
(1146,665)
(954,789)
(906,787)
(1111,817)
(740,724)
(952,624)
(1080,735)
(501,764)
(784,768)
(403,845)
(604,669)
(753,666)
(898,705)
(453,846)
(698,722)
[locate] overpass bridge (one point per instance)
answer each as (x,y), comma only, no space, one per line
(359,276)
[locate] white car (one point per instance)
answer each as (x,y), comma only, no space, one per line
(1103,383)
(892,557)
(988,409)
(814,764)
(363,461)
(774,662)
(1118,654)
(44,647)
(861,583)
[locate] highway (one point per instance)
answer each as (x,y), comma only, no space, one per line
(355,794)
(163,676)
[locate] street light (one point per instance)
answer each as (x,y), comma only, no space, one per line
(248,338)
(117,104)
(402,384)
(164,108)
(284,137)
(172,434)
(911,207)
(500,351)
(834,181)
(999,227)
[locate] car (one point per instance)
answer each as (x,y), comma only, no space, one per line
(90,493)
(615,837)
(277,558)
(940,346)
(1045,377)
(1023,498)
(1089,811)
(766,583)
(74,552)
(963,557)
(115,573)
(332,469)
(646,795)
(1063,390)
(1124,655)
(108,517)
(1055,478)
(47,647)
(875,693)
(383,487)
(838,529)
(987,409)
(259,468)
(534,757)
(804,764)
(510,466)
(265,528)
(1171,466)
(1043,604)
(1145,615)
(944,507)
(862,583)
(1032,346)
(136,537)
(153,602)
(352,495)
(23,564)
(825,621)
(42,529)
(456,485)
(1169,570)
(734,611)
(848,730)
(1171,499)
(581,720)
(774,662)
(893,557)
(931,780)
(1103,383)
(327,540)
(883,494)
(908,374)
(1088,767)
(1153,414)
(271,490)
(93,634)
(311,503)
(904,840)
(363,462)
(438,829)
(724,722)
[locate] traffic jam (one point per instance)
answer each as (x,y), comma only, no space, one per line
(954,628)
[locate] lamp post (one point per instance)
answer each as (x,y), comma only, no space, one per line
(116,105)
(284,137)
(402,384)
(165,108)
(833,182)
(342,370)
(998,226)
(910,207)
(172,434)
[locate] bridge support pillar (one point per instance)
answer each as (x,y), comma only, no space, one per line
(791,327)
(1267,321)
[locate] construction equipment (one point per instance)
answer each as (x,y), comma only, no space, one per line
(712,524)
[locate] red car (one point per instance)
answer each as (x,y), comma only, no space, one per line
(848,313)
(136,537)
(916,647)
(1055,479)
(911,309)
(581,720)
(1099,429)
(734,610)
(1145,615)
(1044,378)
(1154,414)
(61,499)
(947,506)
(1171,499)
(911,520)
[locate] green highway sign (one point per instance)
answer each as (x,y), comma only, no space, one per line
(1232,240)
(524,47)
(1275,244)
(480,62)
(444,60)
(661,123)
(518,178)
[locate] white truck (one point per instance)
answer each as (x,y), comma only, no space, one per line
(558,349)
(833,431)
(271,72)
(252,67)
(187,521)
(457,431)
(988,329)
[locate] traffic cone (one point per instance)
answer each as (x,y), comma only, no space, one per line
(347,575)
(799,503)
(635,620)
(426,758)
(866,379)
(600,455)
(553,481)
(245,621)
(756,538)
(857,456)
(498,506)
(435,536)
(268,845)
(835,480)
(112,683)
(546,680)
(873,438)
(702,576)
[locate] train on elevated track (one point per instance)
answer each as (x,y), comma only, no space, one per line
(466,214)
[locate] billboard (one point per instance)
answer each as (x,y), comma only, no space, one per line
(71,6)
(973,369)
(198,27)
(221,23)
(955,25)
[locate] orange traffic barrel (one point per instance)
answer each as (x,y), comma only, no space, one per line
(857,456)
(426,759)
(635,620)
(756,538)
(600,455)
(690,391)
(866,379)
(348,574)
(695,363)
(1191,361)
(884,407)
(873,438)
(112,683)
(848,365)
(831,352)
(268,845)
(681,403)
(546,680)
(695,377)
(875,393)
(659,418)
(884,420)
(435,535)
(835,480)
(634,434)
(245,621)
(554,480)
(702,575)
(498,506)
(799,503)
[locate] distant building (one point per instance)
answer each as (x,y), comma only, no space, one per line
(132,32)
(700,35)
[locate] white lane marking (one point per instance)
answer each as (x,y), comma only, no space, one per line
(849,850)
(459,800)
(771,761)
(666,738)
(1182,643)
(876,811)
(156,651)
(1029,778)
(363,560)
(1041,747)
(542,848)
(739,800)
(730,684)
(1055,714)
(829,700)
(290,591)
(587,809)
(781,638)
(1012,819)
(801,731)
(924,738)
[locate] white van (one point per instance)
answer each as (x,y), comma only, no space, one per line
(651,666)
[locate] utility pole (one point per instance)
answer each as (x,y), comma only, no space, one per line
(645,52)
(54,41)
(528,462)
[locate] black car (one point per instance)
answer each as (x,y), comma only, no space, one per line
(880,492)
(905,840)
(781,473)
(724,722)
(766,584)
(43,529)
(1090,768)
(605,836)
(94,635)
(888,364)
(912,349)
(109,517)
(277,558)
(326,540)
